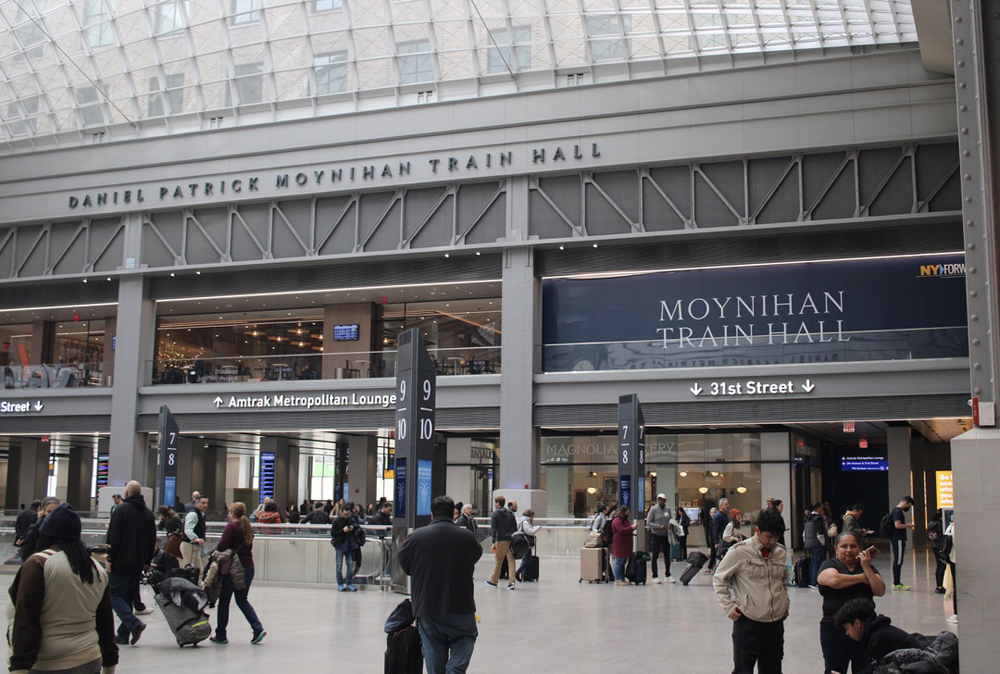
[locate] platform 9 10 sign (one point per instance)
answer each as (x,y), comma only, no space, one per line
(416,398)
(631,454)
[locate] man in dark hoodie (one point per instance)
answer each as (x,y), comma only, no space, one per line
(875,632)
(132,539)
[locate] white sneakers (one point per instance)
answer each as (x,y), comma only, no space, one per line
(669,579)
(657,581)
(953,619)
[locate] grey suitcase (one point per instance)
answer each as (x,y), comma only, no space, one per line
(189,626)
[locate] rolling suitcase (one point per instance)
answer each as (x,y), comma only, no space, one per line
(592,565)
(635,569)
(403,654)
(802,572)
(188,626)
(696,560)
(530,574)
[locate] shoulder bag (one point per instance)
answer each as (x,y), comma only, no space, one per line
(173,545)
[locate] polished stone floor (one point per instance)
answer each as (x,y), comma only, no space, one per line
(556,625)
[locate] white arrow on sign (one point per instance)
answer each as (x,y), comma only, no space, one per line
(696,389)
(808,386)
(38,405)
(218,401)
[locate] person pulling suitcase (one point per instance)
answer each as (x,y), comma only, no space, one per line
(528,527)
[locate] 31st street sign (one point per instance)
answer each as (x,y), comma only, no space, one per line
(752,387)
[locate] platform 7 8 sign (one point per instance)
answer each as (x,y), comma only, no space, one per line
(631,454)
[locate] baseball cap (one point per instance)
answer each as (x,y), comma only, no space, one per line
(663,496)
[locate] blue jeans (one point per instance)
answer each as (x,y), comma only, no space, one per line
(525,561)
(124,592)
(818,555)
(448,641)
(228,591)
(620,567)
(341,556)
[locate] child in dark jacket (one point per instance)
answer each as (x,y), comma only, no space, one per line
(875,632)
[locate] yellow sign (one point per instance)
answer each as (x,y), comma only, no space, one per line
(945,489)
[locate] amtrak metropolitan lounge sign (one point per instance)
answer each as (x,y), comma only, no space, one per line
(279,401)
(901,308)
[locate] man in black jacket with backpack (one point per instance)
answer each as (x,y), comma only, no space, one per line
(440,559)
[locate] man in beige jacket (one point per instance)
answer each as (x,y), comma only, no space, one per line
(751,582)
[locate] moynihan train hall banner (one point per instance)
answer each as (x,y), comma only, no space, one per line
(897,308)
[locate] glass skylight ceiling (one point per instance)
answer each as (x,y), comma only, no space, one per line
(73,70)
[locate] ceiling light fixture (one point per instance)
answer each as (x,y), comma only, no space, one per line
(702,490)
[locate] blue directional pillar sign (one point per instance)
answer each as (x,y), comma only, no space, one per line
(266,475)
(166,465)
(415,403)
(631,455)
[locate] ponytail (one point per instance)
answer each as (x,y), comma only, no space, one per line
(238,511)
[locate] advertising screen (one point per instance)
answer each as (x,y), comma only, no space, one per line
(903,308)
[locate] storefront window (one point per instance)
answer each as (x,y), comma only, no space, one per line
(198,348)
(15,344)
(693,470)
(80,344)
(462,336)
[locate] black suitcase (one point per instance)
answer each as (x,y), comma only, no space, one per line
(802,572)
(635,569)
(697,561)
(530,574)
(403,654)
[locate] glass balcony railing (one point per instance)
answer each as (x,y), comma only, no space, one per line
(54,376)
(304,367)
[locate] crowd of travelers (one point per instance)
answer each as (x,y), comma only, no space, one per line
(750,566)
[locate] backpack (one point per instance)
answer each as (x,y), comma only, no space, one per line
(360,536)
(886,526)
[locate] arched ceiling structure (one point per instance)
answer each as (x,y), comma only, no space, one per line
(84,71)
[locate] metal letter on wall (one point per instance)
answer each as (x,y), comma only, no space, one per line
(415,448)
(631,455)
(166,470)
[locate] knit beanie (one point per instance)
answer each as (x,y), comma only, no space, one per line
(62,523)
